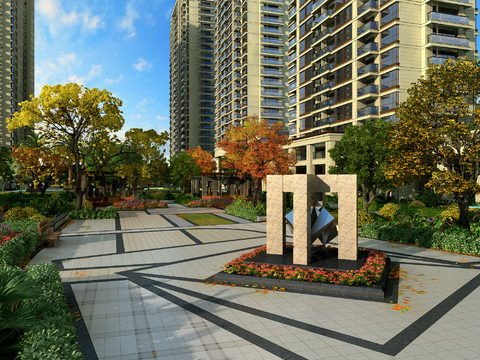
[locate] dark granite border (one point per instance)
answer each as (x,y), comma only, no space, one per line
(374,293)
(168,220)
(83,336)
(191,237)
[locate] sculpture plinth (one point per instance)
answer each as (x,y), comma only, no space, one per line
(306,188)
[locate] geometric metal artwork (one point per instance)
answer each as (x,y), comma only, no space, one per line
(323,224)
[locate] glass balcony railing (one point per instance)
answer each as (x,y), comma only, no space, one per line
(272,51)
(317,4)
(273,62)
(324,104)
(457,19)
(372,4)
(272,93)
(439,60)
(322,52)
(373,46)
(322,122)
(272,72)
(449,40)
(323,69)
(323,17)
(370,89)
(319,155)
(272,41)
(272,9)
(272,30)
(324,86)
(270,103)
(270,19)
(372,25)
(367,68)
(324,33)
(301,157)
(369,110)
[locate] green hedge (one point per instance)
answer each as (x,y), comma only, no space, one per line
(13,252)
(110,212)
(54,338)
(462,242)
(242,212)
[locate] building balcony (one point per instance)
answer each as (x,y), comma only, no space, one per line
(272,72)
(370,89)
(322,52)
(373,46)
(269,103)
(372,25)
(369,110)
(272,51)
(324,104)
(272,41)
(319,155)
(367,68)
(270,19)
(272,82)
(317,4)
(272,93)
(273,62)
(372,4)
(323,69)
(456,19)
(272,113)
(448,40)
(272,9)
(439,60)
(272,30)
(323,17)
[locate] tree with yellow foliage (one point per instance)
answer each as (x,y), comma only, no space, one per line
(438,133)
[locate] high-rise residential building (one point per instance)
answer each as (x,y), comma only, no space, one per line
(17,56)
(355,60)
(192,91)
(250,62)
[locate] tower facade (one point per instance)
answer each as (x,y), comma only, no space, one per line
(17,58)
(192,94)
(250,62)
(353,60)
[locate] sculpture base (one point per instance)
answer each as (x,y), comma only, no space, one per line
(322,258)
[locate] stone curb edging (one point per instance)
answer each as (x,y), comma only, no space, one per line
(376,293)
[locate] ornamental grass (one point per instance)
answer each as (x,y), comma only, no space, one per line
(139,204)
(368,275)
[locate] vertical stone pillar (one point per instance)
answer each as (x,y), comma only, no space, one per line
(309,153)
(123,187)
(242,188)
(204,186)
(248,188)
(215,187)
(347,217)
(275,221)
(301,220)
(231,187)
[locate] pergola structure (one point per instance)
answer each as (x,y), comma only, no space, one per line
(211,184)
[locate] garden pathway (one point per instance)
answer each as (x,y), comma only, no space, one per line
(138,284)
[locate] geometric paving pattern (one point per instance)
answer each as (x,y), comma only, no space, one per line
(140,293)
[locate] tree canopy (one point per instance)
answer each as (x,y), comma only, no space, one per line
(362,151)
(203,158)
(80,123)
(7,172)
(256,149)
(182,168)
(438,132)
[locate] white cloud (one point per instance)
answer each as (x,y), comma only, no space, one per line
(56,16)
(92,23)
(127,22)
(95,70)
(161,118)
(113,81)
(142,64)
(76,79)
(66,60)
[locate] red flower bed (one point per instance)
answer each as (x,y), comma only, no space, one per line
(370,273)
(5,238)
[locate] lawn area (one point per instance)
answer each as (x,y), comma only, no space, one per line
(204,219)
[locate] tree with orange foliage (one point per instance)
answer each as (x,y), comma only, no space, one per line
(38,165)
(256,149)
(203,158)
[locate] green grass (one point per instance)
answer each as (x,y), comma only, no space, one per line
(432,212)
(204,219)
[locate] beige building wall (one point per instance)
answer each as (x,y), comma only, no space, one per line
(17,58)
(192,95)
(384,46)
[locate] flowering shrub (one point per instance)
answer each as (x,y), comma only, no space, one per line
(199,203)
(216,202)
(388,211)
(364,217)
(139,204)
(6,234)
(369,274)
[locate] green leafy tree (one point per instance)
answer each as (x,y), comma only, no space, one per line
(438,133)
(182,168)
(7,172)
(362,151)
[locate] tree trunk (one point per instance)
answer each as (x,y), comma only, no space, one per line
(123,187)
(43,188)
(463,200)
(134,188)
(255,191)
(368,195)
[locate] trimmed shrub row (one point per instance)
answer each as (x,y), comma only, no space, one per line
(14,251)
(53,338)
(461,242)
(242,212)
(88,214)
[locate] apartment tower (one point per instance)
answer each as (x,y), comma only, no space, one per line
(192,91)
(352,60)
(250,62)
(17,52)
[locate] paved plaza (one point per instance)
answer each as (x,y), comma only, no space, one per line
(138,290)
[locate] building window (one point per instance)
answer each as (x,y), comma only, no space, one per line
(390,57)
(343,16)
(306,107)
(390,35)
(306,59)
(343,74)
(389,80)
(390,102)
(390,14)
(305,28)
(306,75)
(306,91)
(306,11)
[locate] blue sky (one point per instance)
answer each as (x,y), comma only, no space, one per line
(118,45)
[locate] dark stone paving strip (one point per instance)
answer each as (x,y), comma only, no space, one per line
(168,220)
(191,237)
(83,337)
(418,327)
(118,226)
(120,245)
(214,319)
